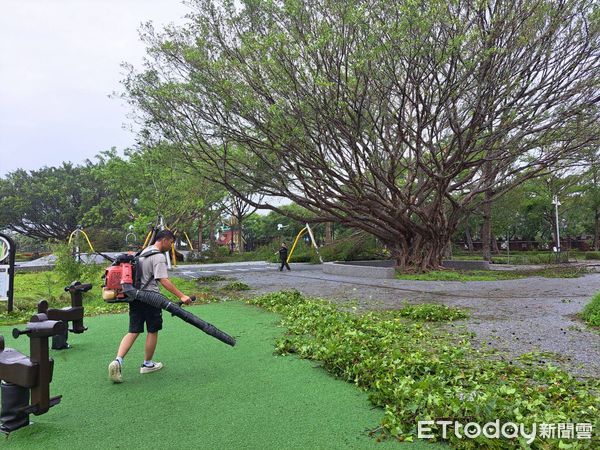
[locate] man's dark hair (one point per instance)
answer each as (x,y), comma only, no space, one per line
(165,234)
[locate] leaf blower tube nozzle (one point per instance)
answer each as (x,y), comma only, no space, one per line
(160,301)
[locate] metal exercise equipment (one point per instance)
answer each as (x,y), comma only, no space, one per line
(25,387)
(73,314)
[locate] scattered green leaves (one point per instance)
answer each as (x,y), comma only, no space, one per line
(211,278)
(236,286)
(591,312)
(430,312)
(415,372)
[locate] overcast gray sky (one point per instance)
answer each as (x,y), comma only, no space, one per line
(59,61)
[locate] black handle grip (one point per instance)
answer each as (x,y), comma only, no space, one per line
(77,286)
(192,297)
(16,332)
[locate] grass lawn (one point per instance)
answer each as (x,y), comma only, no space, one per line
(208,395)
(492,275)
(30,288)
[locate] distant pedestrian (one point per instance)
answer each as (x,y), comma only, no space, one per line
(283,255)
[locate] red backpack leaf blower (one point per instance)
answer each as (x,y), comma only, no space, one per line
(122,283)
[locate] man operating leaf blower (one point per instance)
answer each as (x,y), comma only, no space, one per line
(135,279)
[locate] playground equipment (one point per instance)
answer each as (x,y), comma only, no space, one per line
(74,314)
(119,281)
(187,238)
(22,375)
(130,239)
(75,234)
(151,237)
(127,236)
(312,239)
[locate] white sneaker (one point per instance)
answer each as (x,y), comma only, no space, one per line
(114,372)
(153,368)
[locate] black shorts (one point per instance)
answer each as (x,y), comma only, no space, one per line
(141,312)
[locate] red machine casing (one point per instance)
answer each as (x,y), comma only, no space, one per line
(116,276)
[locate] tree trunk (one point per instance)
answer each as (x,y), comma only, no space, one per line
(328,233)
(200,231)
(448,250)
(240,239)
(469,239)
(417,253)
(495,245)
(211,238)
(486,227)
(597,230)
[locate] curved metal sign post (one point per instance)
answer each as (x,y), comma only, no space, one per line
(8,249)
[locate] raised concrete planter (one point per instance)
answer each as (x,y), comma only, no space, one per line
(385,269)
(363,269)
(466,265)
(26,269)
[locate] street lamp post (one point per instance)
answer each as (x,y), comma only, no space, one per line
(556,204)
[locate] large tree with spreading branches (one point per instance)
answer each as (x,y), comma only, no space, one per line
(397,118)
(50,203)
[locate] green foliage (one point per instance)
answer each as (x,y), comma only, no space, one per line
(303,253)
(105,239)
(431,312)
(416,372)
(591,312)
(263,228)
(457,275)
(306,97)
(494,275)
(150,182)
(69,269)
(211,279)
(221,255)
(352,246)
(49,203)
(592,256)
(236,286)
(557,272)
(49,285)
(521,258)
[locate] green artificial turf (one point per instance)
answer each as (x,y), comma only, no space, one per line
(209,395)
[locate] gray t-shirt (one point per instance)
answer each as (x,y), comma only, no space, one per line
(154,268)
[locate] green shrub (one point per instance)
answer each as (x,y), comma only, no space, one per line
(69,270)
(354,246)
(107,239)
(592,255)
(221,254)
(591,312)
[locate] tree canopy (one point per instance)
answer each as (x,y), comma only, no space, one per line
(51,202)
(391,117)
